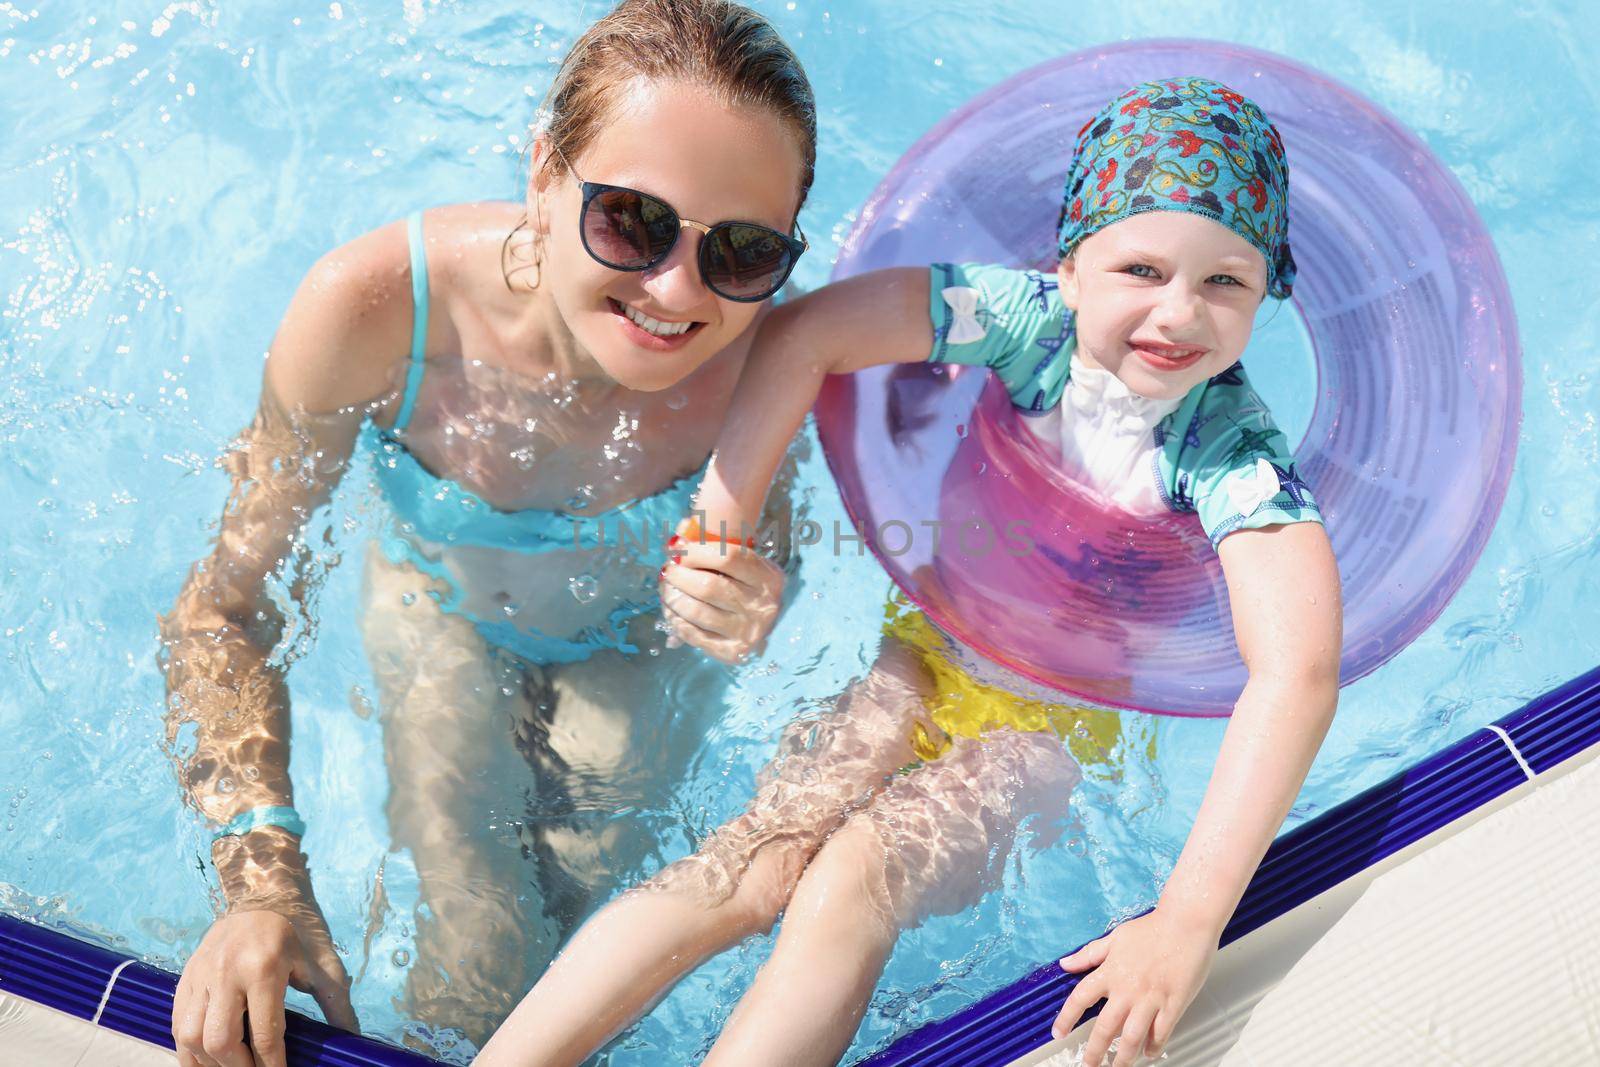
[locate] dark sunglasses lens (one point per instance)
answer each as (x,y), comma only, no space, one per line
(745,262)
(628,230)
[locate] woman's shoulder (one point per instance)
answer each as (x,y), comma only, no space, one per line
(347,326)
(348,329)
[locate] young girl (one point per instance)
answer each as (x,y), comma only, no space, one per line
(539,384)
(904,800)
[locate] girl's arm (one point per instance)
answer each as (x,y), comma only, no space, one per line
(866,321)
(1283,583)
(722,597)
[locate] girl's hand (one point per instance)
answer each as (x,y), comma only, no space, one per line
(722,597)
(1148,970)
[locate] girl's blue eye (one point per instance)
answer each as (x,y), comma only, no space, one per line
(1145,266)
(1138,266)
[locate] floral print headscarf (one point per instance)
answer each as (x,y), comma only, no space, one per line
(1183,144)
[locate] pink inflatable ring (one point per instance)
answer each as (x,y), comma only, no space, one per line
(1410,445)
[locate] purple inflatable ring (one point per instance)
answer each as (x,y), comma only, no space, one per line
(1410,445)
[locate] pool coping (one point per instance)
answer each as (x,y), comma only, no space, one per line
(116,992)
(1353,837)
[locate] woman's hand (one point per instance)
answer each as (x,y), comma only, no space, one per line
(244,963)
(722,597)
(1148,970)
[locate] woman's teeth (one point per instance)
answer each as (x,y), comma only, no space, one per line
(655,326)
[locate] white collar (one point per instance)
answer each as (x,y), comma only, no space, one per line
(1096,392)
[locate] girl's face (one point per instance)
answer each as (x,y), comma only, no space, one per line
(711,162)
(1164,299)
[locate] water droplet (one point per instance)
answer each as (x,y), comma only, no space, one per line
(408,599)
(584,588)
(251,773)
(581,499)
(961,429)
(510,610)
(677,401)
(401,958)
(226,786)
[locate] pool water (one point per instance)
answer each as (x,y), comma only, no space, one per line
(168,175)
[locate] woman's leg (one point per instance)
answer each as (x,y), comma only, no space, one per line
(634,949)
(452,709)
(930,843)
(622,730)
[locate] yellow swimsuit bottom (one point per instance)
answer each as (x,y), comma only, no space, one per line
(962,706)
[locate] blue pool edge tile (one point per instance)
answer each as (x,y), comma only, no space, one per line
(60,971)
(1301,865)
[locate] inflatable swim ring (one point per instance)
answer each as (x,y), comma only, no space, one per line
(1409,449)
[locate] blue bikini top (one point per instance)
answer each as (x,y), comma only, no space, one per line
(445,512)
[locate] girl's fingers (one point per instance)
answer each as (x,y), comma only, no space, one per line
(1160,1032)
(1106,1027)
(1085,996)
(1134,1032)
(1088,957)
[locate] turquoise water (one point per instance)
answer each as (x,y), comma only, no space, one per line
(168,175)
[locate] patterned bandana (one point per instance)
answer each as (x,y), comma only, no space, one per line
(1183,144)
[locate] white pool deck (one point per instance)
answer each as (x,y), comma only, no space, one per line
(1478,944)
(32,1035)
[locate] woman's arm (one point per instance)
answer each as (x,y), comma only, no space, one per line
(332,356)
(1283,583)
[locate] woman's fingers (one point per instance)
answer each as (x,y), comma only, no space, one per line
(330,988)
(1134,1032)
(717,589)
(188,1024)
(267,1022)
(755,574)
(723,649)
(223,1038)
(706,609)
(692,608)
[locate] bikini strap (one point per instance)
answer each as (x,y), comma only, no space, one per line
(419,319)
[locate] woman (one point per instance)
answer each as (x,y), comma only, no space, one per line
(543,382)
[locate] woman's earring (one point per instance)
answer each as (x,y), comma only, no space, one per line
(535,261)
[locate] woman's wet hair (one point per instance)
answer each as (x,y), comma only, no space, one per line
(725,47)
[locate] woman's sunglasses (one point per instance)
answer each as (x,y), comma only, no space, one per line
(625,229)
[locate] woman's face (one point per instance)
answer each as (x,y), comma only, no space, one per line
(1164,300)
(711,162)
